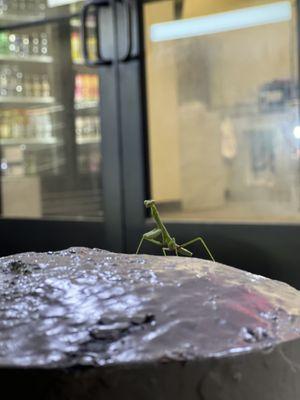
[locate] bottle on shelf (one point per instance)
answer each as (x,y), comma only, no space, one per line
(44,126)
(4,44)
(22,6)
(92,47)
(87,127)
(45,86)
(41,5)
(4,7)
(43,44)
(35,44)
(28,86)
(18,84)
(78,88)
(12,45)
(79,122)
(86,87)
(18,124)
(14,6)
(4,77)
(31,6)
(94,87)
(9,86)
(48,126)
(37,86)
(31,127)
(24,45)
(76,48)
(5,124)
(22,126)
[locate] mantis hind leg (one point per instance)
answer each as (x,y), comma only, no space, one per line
(197,239)
(150,236)
(158,243)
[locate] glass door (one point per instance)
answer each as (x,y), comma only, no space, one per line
(222,105)
(55,128)
(230,127)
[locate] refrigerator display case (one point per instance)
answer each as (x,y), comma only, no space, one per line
(70,123)
(49,112)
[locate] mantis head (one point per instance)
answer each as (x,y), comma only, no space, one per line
(149,203)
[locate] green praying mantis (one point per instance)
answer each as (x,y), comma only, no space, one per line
(166,241)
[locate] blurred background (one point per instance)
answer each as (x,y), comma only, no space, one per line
(194,103)
(49,121)
(223,105)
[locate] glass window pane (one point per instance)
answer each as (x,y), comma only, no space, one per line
(49,124)
(223,109)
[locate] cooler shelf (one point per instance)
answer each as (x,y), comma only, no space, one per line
(29,141)
(35,59)
(25,101)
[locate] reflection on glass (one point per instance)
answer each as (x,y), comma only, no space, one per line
(223,109)
(246,17)
(49,125)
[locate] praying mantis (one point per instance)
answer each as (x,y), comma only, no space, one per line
(166,241)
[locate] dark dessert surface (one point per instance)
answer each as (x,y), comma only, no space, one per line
(91,307)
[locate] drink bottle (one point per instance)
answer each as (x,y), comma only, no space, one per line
(43,44)
(4,46)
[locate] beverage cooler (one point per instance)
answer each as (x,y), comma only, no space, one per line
(66,67)
(50,115)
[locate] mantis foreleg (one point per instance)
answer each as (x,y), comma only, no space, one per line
(150,236)
(164,249)
(203,244)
